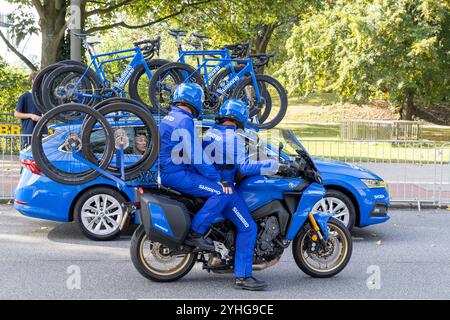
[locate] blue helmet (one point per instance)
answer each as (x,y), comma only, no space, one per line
(236,110)
(190,94)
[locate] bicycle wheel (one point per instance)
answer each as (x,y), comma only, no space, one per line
(134,130)
(139,81)
(58,87)
(61,155)
(165,79)
(278,100)
(36,91)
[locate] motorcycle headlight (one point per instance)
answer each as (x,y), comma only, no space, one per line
(372,183)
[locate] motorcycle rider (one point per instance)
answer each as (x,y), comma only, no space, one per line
(181,165)
(226,148)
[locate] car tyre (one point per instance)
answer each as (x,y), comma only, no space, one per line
(347,214)
(99,221)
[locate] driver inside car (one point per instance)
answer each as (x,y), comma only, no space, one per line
(226,149)
(181,162)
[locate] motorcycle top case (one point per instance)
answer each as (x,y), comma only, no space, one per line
(165,220)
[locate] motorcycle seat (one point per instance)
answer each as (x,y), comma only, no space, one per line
(193,204)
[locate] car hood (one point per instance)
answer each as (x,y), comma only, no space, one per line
(343,168)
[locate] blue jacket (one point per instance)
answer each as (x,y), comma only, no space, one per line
(226,149)
(180,147)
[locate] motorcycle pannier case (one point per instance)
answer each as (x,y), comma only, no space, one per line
(165,220)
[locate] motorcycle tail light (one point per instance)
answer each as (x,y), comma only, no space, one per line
(31,165)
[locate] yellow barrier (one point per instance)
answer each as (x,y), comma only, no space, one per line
(10,128)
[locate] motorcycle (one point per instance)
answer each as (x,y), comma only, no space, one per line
(281,206)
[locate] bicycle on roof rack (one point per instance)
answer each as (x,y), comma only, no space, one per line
(76,82)
(265,96)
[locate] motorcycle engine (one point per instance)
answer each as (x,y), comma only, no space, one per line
(265,247)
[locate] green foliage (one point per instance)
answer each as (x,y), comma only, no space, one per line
(366,49)
(13,82)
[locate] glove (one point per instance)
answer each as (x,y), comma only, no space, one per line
(225,187)
(286,170)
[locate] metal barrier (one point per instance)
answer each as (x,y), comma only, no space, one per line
(416,171)
(10,167)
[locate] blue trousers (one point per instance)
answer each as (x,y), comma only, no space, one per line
(231,206)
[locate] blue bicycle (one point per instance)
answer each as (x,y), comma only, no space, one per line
(265,96)
(89,84)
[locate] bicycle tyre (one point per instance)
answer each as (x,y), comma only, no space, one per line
(281,92)
(36,91)
(177,68)
(55,173)
(142,112)
(48,84)
(133,90)
(223,74)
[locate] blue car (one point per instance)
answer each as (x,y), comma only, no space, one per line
(356,196)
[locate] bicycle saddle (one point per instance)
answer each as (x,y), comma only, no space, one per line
(177,33)
(201,37)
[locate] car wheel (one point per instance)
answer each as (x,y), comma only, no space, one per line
(99,212)
(340,205)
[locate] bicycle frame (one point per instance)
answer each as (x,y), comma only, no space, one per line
(234,78)
(224,54)
(136,59)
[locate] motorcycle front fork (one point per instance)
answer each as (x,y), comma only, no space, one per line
(318,233)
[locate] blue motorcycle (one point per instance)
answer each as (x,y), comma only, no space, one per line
(281,206)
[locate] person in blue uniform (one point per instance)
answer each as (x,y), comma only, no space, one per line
(181,164)
(226,148)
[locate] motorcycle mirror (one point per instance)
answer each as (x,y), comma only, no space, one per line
(280,148)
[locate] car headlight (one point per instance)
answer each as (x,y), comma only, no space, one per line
(372,183)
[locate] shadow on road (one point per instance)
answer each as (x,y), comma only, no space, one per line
(71,234)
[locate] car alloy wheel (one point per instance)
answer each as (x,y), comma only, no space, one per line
(101,214)
(336,207)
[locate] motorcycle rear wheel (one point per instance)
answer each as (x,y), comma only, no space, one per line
(148,269)
(339,238)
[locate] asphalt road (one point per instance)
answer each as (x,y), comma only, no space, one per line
(38,259)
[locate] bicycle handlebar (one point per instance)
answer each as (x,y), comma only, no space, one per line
(261,59)
(239,49)
(151,46)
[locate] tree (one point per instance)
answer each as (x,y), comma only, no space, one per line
(96,16)
(394,49)
(237,21)
(13,83)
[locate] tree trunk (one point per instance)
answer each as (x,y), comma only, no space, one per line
(263,38)
(53,26)
(409,106)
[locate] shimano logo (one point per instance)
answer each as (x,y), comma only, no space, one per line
(125,76)
(229,84)
(169,118)
(238,214)
(213,72)
(209,189)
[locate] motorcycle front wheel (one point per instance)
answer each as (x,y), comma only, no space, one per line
(154,261)
(320,261)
